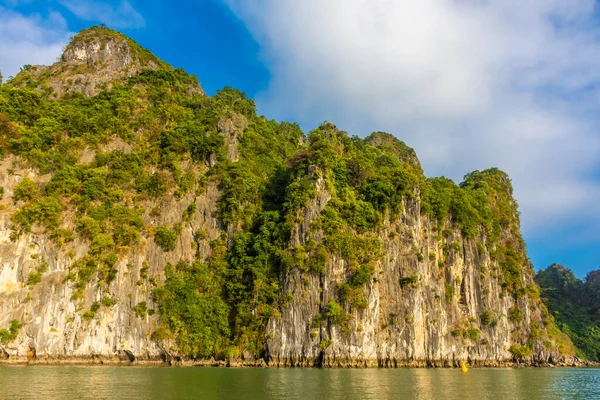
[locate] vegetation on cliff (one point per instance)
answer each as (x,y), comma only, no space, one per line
(10,334)
(101,160)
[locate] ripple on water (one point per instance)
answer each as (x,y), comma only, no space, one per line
(93,382)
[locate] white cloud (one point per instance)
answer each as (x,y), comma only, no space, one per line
(115,14)
(30,40)
(470,84)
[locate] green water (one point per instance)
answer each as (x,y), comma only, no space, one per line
(70,382)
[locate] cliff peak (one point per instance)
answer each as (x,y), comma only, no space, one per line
(95,59)
(100,44)
(403,152)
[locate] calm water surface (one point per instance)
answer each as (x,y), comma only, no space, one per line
(71,382)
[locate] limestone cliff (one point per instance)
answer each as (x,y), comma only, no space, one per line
(54,323)
(144,221)
(432,302)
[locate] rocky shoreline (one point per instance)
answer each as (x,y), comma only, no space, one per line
(128,359)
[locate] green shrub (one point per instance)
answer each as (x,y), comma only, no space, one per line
(165,238)
(10,334)
(95,306)
(335,313)
(472,333)
(25,190)
(185,183)
(141,309)
(318,260)
(101,243)
(520,352)
(486,317)
(189,212)
(126,235)
(62,236)
(325,343)
(480,248)
(88,315)
(34,278)
(411,280)
(235,101)
(46,211)
(449,291)
(354,295)
(108,301)
(362,275)
(317,321)
(88,227)
(154,185)
(515,315)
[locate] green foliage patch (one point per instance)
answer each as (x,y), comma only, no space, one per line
(10,334)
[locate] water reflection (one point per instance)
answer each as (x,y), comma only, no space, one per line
(70,382)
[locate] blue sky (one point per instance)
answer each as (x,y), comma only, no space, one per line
(469,84)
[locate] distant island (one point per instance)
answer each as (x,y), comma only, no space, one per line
(575,305)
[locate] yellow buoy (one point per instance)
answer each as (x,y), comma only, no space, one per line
(463,367)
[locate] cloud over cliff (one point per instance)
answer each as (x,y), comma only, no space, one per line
(32,39)
(469,83)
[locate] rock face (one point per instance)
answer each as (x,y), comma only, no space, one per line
(434,319)
(95,60)
(431,289)
(417,312)
(54,324)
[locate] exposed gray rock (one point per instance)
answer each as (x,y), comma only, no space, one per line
(403,325)
(95,60)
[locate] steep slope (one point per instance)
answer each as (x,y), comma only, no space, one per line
(409,271)
(143,220)
(575,305)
